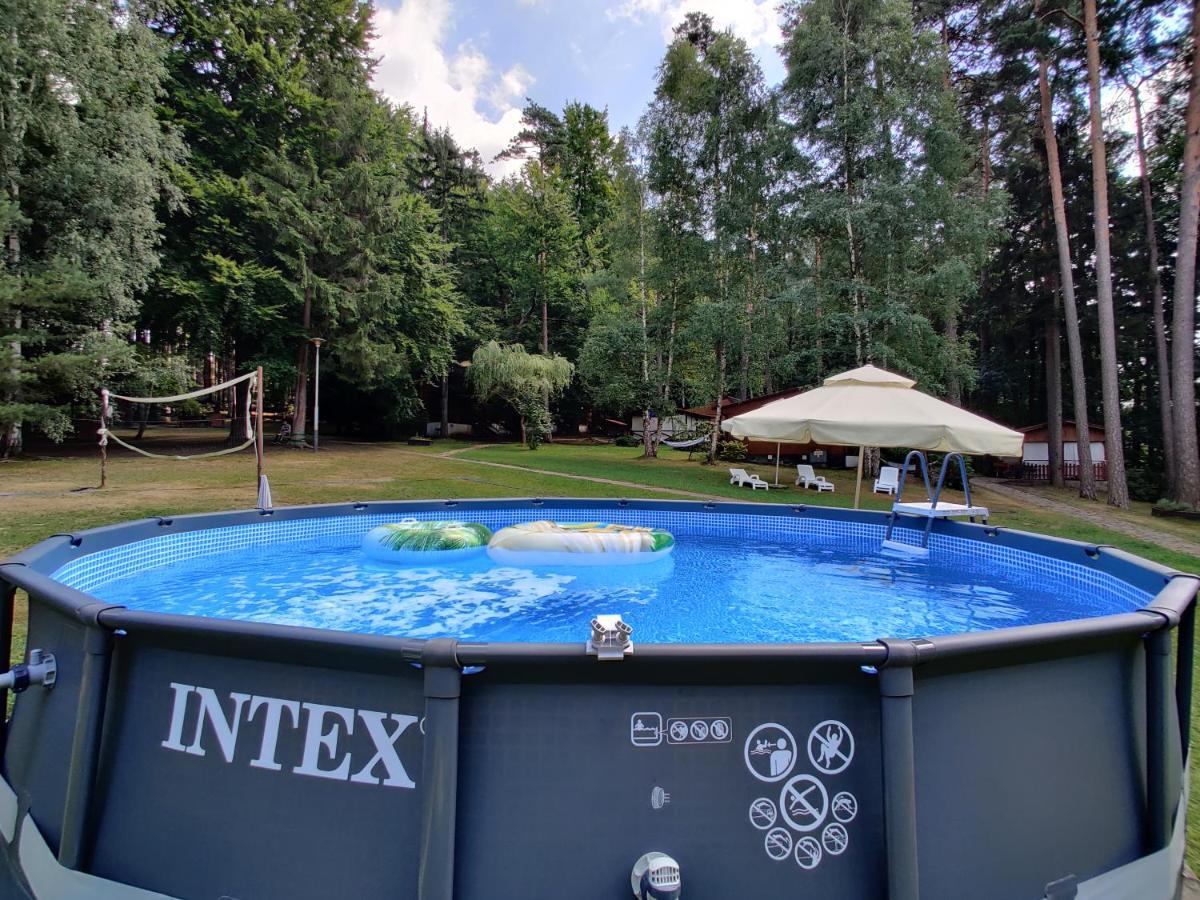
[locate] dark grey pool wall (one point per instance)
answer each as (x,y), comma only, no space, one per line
(200,758)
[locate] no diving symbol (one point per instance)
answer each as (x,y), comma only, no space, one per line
(778,844)
(804,803)
(762,813)
(830,747)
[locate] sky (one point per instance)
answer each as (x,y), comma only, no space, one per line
(472,63)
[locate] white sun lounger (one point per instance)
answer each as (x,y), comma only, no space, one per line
(807,477)
(741,478)
(887,482)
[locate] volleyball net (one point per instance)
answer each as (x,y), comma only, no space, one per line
(205,423)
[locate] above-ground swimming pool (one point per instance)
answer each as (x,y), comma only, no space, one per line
(245,705)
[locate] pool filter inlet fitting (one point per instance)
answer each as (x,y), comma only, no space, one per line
(609,638)
(655,876)
(41,669)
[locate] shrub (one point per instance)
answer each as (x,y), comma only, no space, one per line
(731,450)
(628,440)
(1171,506)
(1145,484)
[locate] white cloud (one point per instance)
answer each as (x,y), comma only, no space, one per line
(455,87)
(755,21)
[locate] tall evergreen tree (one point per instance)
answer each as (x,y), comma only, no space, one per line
(1114,440)
(898,228)
(83,161)
(1186,487)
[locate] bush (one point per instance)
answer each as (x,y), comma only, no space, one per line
(537,425)
(1171,506)
(628,440)
(187,409)
(1145,484)
(731,451)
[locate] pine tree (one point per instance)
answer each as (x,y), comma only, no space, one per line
(83,161)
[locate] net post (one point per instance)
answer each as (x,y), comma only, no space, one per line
(258,430)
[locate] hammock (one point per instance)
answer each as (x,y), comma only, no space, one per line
(683,445)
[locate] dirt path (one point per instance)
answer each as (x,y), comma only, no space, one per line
(1096,516)
(451,455)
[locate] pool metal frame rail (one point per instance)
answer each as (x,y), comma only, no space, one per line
(32,865)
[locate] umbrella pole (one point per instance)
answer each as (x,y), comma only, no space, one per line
(858,478)
(777,464)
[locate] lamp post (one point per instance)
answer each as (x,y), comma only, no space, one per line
(317,342)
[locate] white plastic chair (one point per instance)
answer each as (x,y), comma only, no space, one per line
(741,478)
(807,477)
(887,482)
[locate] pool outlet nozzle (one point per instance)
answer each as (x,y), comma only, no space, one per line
(41,669)
(655,876)
(609,639)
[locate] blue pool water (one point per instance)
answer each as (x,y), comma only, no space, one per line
(712,589)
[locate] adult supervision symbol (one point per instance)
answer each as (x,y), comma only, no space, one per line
(770,752)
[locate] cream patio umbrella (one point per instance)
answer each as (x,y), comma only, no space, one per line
(870,407)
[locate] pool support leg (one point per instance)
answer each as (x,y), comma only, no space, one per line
(1158,757)
(8,597)
(439,769)
(85,748)
(1185,661)
(896,689)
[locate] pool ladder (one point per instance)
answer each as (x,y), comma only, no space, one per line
(932,507)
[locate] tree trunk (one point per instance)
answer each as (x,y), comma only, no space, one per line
(1110,384)
(1161,351)
(748,329)
(1087,479)
(950,332)
(300,413)
(649,447)
(545,304)
(143,421)
(236,404)
(848,154)
(1186,486)
(985,155)
(444,423)
(14,434)
(716,434)
(670,348)
(1054,407)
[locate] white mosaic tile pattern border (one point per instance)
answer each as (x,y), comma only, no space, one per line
(95,569)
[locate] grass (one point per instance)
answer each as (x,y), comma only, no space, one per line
(44,496)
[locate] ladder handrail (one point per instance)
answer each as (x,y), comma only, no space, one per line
(962,469)
(932,495)
(924,466)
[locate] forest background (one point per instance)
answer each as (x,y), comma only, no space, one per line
(997,198)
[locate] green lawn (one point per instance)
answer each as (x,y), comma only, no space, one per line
(40,497)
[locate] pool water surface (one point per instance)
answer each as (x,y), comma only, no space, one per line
(713,589)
